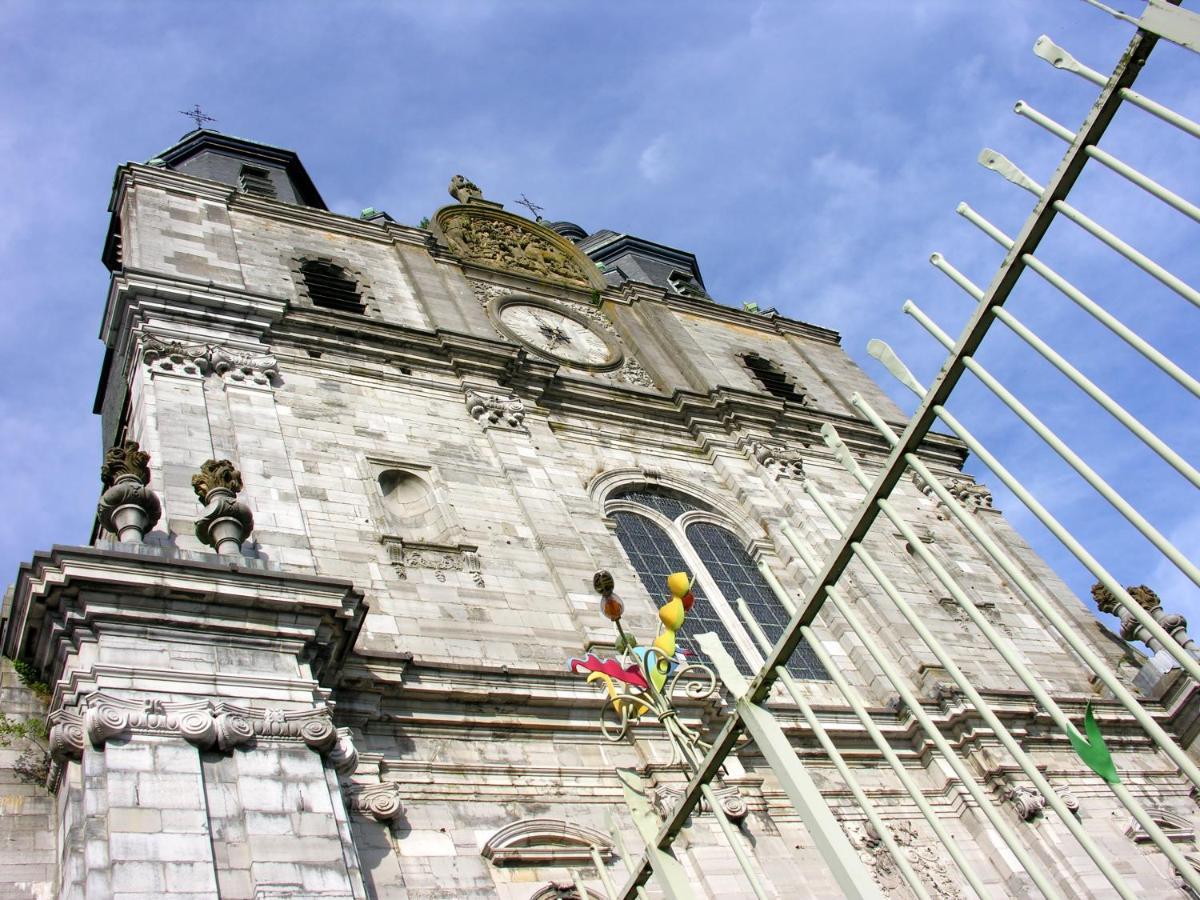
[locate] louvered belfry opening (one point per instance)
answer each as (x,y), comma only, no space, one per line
(256,181)
(771,377)
(329,285)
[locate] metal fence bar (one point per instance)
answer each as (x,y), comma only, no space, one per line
(1178,653)
(749,715)
(1098,856)
(847,869)
(1040,602)
(1008,654)
(1085,384)
(910,700)
(1105,158)
(997,162)
(1061,59)
(1072,459)
(1086,303)
(864,802)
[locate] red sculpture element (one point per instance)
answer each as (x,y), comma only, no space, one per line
(610,667)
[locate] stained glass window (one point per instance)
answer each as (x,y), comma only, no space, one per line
(736,576)
(654,555)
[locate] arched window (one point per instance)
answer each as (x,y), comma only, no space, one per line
(328,285)
(773,378)
(664,531)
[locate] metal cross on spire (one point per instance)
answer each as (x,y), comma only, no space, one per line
(534,209)
(198,114)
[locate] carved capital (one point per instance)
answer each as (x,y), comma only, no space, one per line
(66,738)
(205,723)
(379,801)
(1025,800)
(1068,798)
(666,797)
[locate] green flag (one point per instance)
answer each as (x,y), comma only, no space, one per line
(1093,751)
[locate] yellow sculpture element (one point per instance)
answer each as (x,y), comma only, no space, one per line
(671,614)
(619,699)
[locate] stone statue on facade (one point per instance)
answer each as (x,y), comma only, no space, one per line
(464,190)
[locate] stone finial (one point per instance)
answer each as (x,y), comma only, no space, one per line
(1144,597)
(226,521)
(1105,601)
(464,190)
(127,508)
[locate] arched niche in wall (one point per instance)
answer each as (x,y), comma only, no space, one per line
(546,842)
(416,522)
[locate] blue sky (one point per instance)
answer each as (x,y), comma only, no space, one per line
(811,155)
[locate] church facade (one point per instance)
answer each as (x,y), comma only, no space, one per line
(359,478)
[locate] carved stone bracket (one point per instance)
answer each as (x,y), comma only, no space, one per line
(666,797)
(496,410)
(1068,798)
(206,723)
(226,522)
(175,358)
(127,508)
(440,558)
(964,490)
(778,460)
(247,369)
(1025,800)
(922,857)
(379,801)
(197,360)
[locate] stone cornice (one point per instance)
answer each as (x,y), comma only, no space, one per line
(64,597)
(632,292)
(130,175)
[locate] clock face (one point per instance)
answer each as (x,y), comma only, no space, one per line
(558,334)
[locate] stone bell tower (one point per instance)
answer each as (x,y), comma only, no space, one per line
(358,477)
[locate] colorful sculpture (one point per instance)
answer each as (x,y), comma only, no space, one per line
(646,684)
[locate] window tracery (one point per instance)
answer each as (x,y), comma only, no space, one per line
(664,531)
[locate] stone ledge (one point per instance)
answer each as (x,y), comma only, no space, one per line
(66,596)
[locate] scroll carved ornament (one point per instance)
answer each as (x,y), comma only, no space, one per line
(495,409)
(780,461)
(733,804)
(207,724)
(965,491)
(922,857)
(439,558)
(234,366)
(379,801)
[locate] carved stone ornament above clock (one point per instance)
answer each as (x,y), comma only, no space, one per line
(556,332)
(489,237)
